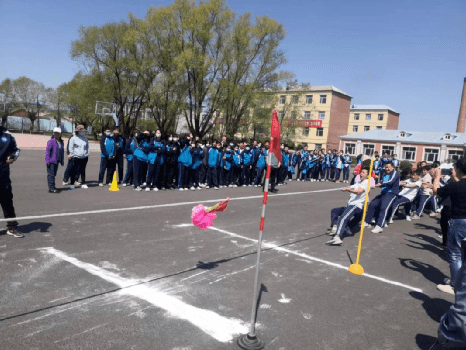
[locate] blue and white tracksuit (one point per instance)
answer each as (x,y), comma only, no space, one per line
(381,205)
(347,167)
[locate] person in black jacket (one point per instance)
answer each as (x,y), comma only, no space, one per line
(120,145)
(172,151)
(9,153)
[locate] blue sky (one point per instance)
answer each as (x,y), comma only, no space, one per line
(407,54)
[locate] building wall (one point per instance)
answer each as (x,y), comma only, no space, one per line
(393,120)
(338,123)
(372,124)
(398,149)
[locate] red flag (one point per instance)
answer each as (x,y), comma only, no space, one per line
(275,137)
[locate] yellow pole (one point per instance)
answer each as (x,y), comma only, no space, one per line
(356,268)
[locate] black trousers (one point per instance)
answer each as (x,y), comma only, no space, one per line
(6,200)
(273,178)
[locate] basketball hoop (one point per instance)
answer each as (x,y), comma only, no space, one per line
(107,109)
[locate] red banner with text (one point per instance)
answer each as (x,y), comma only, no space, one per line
(303,123)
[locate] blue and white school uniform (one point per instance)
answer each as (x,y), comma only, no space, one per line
(380,206)
(405,197)
(347,160)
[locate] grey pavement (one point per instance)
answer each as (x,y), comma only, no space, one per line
(146,279)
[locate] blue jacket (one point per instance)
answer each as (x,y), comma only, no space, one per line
(213,160)
(121,145)
(377,166)
(285,159)
(313,161)
(237,159)
(185,157)
(391,183)
(246,158)
(172,152)
(304,161)
(347,160)
(107,147)
(261,164)
(130,148)
(227,163)
(197,155)
(157,151)
(396,163)
(339,162)
(255,154)
(296,158)
(142,151)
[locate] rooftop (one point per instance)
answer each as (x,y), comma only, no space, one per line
(372,107)
(421,137)
(316,88)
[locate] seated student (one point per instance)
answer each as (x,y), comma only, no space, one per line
(425,194)
(380,205)
(410,189)
(341,217)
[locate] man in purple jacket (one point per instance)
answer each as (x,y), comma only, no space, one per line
(54,155)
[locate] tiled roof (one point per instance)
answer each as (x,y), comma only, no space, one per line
(421,137)
(372,107)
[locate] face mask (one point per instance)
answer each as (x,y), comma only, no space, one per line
(247,148)
(116,135)
(219,147)
(107,133)
(158,135)
(207,144)
(193,146)
(231,145)
(282,147)
(82,133)
(175,139)
(111,135)
(170,139)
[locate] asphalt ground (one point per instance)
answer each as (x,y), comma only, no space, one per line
(88,277)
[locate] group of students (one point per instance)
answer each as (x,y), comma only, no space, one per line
(410,189)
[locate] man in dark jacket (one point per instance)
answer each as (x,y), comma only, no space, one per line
(9,153)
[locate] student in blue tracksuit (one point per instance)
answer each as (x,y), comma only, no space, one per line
(283,172)
(184,162)
(385,159)
(157,148)
(395,162)
(313,165)
(323,165)
(236,166)
(246,166)
(343,218)
(296,161)
(377,167)
(197,155)
(172,151)
(119,152)
(290,167)
(339,166)
(328,165)
(347,160)
(260,165)
(227,161)
(130,147)
(213,161)
(140,159)
(107,157)
(255,150)
(333,162)
(304,163)
(380,206)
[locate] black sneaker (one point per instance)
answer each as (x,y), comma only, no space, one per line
(14,233)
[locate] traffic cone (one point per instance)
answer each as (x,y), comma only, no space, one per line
(114,186)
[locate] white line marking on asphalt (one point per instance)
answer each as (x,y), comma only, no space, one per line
(221,328)
(103,211)
(309,257)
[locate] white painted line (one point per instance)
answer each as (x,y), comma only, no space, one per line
(309,257)
(103,211)
(219,327)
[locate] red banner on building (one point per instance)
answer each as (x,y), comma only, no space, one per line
(303,123)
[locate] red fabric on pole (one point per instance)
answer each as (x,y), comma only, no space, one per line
(262,223)
(275,137)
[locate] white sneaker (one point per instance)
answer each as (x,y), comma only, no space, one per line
(202,185)
(124,185)
(181,189)
(408,218)
(335,241)
(390,221)
(446,288)
(84,186)
(231,186)
(298,180)
(147,189)
(244,186)
(144,184)
(72,187)
(377,229)
(64,183)
(138,189)
(255,185)
(101,184)
(235,185)
(207,187)
(76,183)
(367,225)
(193,188)
(155,189)
(249,185)
(199,188)
(216,188)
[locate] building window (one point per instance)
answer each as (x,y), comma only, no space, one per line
(355,128)
(388,149)
(320,132)
(305,131)
(281,115)
(454,155)
(431,155)
(321,115)
(408,153)
(356,116)
(380,117)
(379,127)
(368,116)
(367,128)
(368,149)
(307,115)
(318,146)
(308,99)
(293,114)
(295,98)
(282,99)
(350,148)
(323,99)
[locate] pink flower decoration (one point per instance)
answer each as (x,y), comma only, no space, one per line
(201,218)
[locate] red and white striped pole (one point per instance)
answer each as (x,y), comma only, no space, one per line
(250,341)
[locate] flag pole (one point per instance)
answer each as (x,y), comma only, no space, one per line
(250,341)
